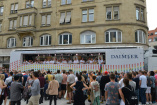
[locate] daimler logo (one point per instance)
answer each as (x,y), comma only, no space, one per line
(124,56)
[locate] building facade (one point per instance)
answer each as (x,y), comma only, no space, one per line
(152,37)
(71,24)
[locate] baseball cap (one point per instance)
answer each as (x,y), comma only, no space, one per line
(105,72)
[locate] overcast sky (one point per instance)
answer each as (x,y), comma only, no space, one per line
(152,14)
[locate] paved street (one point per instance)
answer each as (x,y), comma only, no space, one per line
(60,102)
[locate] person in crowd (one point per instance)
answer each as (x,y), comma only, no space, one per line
(156,83)
(148,91)
(76,61)
(42,82)
(45,88)
(152,78)
(95,90)
(64,82)
(48,76)
(117,76)
(90,75)
(64,61)
(126,91)
(111,92)
(100,61)
(136,80)
(8,83)
(59,78)
(98,78)
(52,61)
(121,83)
(104,80)
(44,62)
(82,61)
(25,77)
(91,61)
(70,81)
(53,90)
(28,83)
(15,92)
(21,79)
(83,80)
(143,87)
(35,90)
(70,61)
(79,98)
(5,74)
(2,87)
(131,82)
(85,76)
(76,77)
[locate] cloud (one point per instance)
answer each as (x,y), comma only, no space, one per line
(152,14)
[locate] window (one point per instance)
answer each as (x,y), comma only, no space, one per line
(11,42)
(14,8)
(112,11)
(86,0)
(29,3)
(12,24)
(150,40)
(25,20)
(0,26)
(155,39)
(64,2)
(140,36)
(155,33)
(1,10)
(46,20)
(46,3)
(113,36)
(151,34)
(87,15)
(65,17)
(27,41)
(65,38)
(45,40)
(88,37)
(139,13)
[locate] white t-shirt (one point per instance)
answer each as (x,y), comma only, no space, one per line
(91,62)
(44,62)
(82,61)
(143,80)
(70,62)
(76,61)
(100,61)
(121,83)
(47,62)
(52,62)
(64,62)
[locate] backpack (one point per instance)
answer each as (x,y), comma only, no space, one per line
(26,91)
(133,100)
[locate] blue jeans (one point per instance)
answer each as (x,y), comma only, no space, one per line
(137,93)
(143,95)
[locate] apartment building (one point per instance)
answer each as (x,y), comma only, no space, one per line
(35,25)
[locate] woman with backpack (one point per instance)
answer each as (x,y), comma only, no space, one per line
(95,91)
(27,91)
(127,91)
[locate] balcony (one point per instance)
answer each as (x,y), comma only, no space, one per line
(32,10)
(25,30)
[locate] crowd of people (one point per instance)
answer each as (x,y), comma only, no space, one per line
(67,61)
(111,88)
